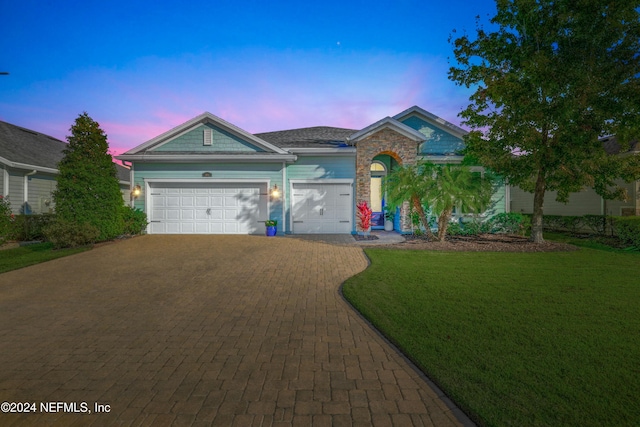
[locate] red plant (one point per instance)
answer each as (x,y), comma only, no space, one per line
(364,215)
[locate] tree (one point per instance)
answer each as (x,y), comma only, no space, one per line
(88,191)
(441,188)
(406,183)
(455,186)
(552,79)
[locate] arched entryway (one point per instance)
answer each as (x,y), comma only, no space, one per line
(387,147)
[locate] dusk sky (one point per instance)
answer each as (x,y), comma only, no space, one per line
(141,68)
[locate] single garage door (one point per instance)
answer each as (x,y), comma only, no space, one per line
(322,208)
(207,208)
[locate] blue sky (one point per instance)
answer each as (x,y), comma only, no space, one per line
(141,68)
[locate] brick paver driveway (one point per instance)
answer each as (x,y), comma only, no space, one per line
(201,330)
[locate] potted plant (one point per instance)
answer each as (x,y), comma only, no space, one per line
(389,216)
(272,227)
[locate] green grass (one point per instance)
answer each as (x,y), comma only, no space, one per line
(24,256)
(515,338)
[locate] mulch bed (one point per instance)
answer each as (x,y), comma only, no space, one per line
(483,242)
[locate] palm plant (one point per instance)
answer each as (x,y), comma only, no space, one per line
(406,183)
(440,187)
(454,186)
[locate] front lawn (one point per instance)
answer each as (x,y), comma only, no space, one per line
(515,338)
(12,259)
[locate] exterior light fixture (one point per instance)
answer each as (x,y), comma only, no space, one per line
(275,192)
(135,193)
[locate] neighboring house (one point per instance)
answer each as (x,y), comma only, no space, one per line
(586,202)
(209,176)
(28,169)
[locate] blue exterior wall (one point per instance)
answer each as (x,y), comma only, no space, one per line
(438,141)
(222,141)
(320,167)
(262,171)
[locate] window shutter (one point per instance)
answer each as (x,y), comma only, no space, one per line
(207,137)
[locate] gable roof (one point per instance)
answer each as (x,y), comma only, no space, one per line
(388,123)
(311,137)
(204,118)
(23,148)
(433,119)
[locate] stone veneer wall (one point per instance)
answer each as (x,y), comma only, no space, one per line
(385,141)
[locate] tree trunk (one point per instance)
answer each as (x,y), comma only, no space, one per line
(538,202)
(417,205)
(443,223)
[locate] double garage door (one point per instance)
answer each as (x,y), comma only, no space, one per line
(207,208)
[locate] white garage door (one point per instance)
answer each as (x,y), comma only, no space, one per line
(322,208)
(206,208)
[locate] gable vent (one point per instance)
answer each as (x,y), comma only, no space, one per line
(208,138)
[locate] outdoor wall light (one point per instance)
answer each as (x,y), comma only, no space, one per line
(135,193)
(275,192)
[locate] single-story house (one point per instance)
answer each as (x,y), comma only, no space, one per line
(28,169)
(587,201)
(209,176)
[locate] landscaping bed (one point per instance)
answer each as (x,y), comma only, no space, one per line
(484,243)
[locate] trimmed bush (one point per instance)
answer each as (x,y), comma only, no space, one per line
(67,234)
(628,230)
(135,221)
(596,223)
(31,227)
(6,221)
(510,223)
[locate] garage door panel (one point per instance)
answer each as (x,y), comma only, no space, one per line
(322,208)
(208,208)
(172,214)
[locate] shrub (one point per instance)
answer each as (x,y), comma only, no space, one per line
(552,222)
(31,227)
(6,220)
(66,234)
(572,223)
(628,230)
(596,223)
(510,223)
(135,221)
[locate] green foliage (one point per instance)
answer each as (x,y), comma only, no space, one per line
(271,223)
(596,223)
(67,234)
(514,339)
(24,256)
(549,82)
(471,228)
(407,184)
(440,187)
(510,223)
(570,223)
(135,221)
(6,220)
(31,227)
(88,190)
(628,230)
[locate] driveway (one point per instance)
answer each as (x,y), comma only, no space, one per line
(202,330)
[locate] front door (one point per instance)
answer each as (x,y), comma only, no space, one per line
(378,171)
